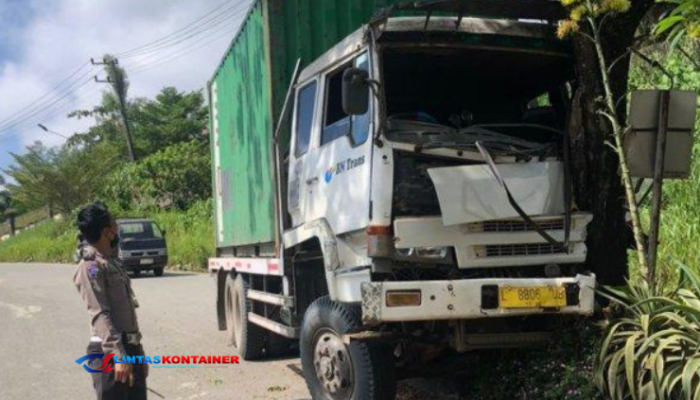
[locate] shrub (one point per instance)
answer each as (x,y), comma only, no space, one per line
(651,350)
(178,176)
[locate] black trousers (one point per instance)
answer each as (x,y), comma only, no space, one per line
(107,388)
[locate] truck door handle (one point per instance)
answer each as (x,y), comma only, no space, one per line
(312,180)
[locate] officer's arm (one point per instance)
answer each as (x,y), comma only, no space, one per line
(91,280)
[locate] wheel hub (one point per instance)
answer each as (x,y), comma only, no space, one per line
(333,365)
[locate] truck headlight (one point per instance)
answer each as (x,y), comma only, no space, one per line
(435,252)
(431,252)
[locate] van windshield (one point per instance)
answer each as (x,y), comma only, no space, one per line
(141,230)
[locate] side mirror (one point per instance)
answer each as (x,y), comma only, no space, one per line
(355,91)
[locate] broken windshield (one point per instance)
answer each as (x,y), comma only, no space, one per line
(513,100)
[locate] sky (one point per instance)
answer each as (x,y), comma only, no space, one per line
(46,46)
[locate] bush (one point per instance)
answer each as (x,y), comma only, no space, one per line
(190,235)
(177,176)
(652,349)
(49,241)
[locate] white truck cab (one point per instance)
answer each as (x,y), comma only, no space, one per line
(403,190)
(425,198)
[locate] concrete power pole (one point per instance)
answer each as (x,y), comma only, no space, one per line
(120,84)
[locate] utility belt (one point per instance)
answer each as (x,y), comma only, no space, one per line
(132,338)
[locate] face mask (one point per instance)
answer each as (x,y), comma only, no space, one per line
(114,242)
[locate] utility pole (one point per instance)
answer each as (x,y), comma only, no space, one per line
(117,78)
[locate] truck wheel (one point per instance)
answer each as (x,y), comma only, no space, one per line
(228,306)
(335,371)
(136,272)
(158,271)
(248,338)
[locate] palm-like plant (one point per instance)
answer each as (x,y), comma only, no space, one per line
(652,350)
(682,21)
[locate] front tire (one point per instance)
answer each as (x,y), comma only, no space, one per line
(335,371)
(158,271)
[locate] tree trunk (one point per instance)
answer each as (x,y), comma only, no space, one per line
(597,185)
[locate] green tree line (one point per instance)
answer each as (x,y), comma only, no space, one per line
(173,169)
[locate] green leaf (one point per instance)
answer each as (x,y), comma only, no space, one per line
(630,364)
(666,24)
(689,373)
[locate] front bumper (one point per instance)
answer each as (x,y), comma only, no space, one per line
(462,299)
(132,264)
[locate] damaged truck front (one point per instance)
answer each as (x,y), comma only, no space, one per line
(471,202)
(422,202)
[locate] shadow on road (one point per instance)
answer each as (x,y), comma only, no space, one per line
(166,274)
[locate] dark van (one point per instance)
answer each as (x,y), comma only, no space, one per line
(142,246)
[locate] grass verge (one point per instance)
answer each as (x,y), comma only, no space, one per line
(189,236)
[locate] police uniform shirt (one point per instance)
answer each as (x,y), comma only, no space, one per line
(106,289)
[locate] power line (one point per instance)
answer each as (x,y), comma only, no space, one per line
(187,35)
(38,99)
(60,94)
(184,29)
(6,128)
(202,28)
(196,45)
(87,96)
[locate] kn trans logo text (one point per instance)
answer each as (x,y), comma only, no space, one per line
(342,166)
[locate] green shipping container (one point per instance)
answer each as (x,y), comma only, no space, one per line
(247,93)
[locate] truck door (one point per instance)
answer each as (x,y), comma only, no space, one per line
(302,127)
(337,165)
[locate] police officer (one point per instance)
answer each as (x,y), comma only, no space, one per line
(106,289)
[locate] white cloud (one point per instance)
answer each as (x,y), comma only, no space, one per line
(54,37)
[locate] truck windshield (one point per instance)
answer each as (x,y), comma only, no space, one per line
(139,231)
(466,94)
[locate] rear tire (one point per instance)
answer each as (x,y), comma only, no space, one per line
(335,371)
(248,338)
(158,271)
(229,292)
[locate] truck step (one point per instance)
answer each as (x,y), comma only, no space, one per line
(273,326)
(270,298)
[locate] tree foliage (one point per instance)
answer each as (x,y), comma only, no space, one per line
(5,199)
(172,117)
(60,178)
(176,176)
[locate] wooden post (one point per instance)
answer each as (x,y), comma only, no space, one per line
(657,190)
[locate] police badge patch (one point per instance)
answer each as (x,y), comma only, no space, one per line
(92,271)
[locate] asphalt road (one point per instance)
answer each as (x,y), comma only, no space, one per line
(44,329)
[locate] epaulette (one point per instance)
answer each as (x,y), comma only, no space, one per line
(89,254)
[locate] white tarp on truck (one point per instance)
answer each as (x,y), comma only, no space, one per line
(472,193)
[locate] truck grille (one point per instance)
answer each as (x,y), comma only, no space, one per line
(516,226)
(510,250)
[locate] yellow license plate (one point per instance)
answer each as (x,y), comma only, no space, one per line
(532,296)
